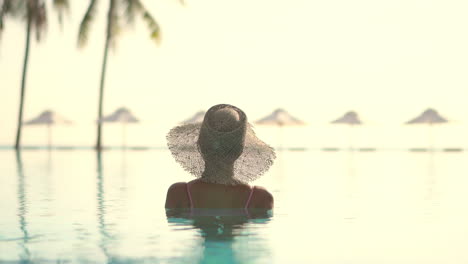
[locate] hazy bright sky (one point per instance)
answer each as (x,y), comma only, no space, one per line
(389,60)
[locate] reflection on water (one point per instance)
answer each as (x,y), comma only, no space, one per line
(431,186)
(22,209)
(431,176)
(333,207)
(221,230)
(101,210)
(351,187)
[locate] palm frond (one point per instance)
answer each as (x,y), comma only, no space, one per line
(15,8)
(62,7)
(2,14)
(153,26)
(114,27)
(37,12)
(86,22)
(130,9)
(2,25)
(6,8)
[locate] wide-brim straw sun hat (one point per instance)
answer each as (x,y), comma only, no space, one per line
(223,140)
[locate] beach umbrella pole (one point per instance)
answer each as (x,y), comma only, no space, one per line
(431,137)
(49,136)
(351,138)
(281,138)
(124,135)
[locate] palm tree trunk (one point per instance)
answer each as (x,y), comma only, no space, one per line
(23,83)
(103,74)
(101,95)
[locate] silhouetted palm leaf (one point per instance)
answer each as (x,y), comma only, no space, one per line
(61,7)
(2,14)
(114,23)
(153,26)
(155,31)
(8,8)
(4,7)
(130,10)
(38,13)
(86,22)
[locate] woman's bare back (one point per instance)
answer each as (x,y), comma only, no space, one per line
(210,195)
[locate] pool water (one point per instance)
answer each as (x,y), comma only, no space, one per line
(330,207)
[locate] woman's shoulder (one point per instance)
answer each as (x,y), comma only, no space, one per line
(262,192)
(262,198)
(174,194)
(177,186)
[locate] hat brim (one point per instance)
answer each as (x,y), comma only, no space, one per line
(256,158)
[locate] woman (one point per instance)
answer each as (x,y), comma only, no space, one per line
(224,154)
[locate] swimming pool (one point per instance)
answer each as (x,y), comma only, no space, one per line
(330,207)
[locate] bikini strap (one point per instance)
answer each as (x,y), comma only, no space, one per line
(250,198)
(189,195)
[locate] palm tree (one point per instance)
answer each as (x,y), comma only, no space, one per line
(130,9)
(34,13)
(6,8)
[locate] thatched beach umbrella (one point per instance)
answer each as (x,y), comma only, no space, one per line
(48,118)
(123,116)
(196,118)
(428,117)
(351,119)
(280,118)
